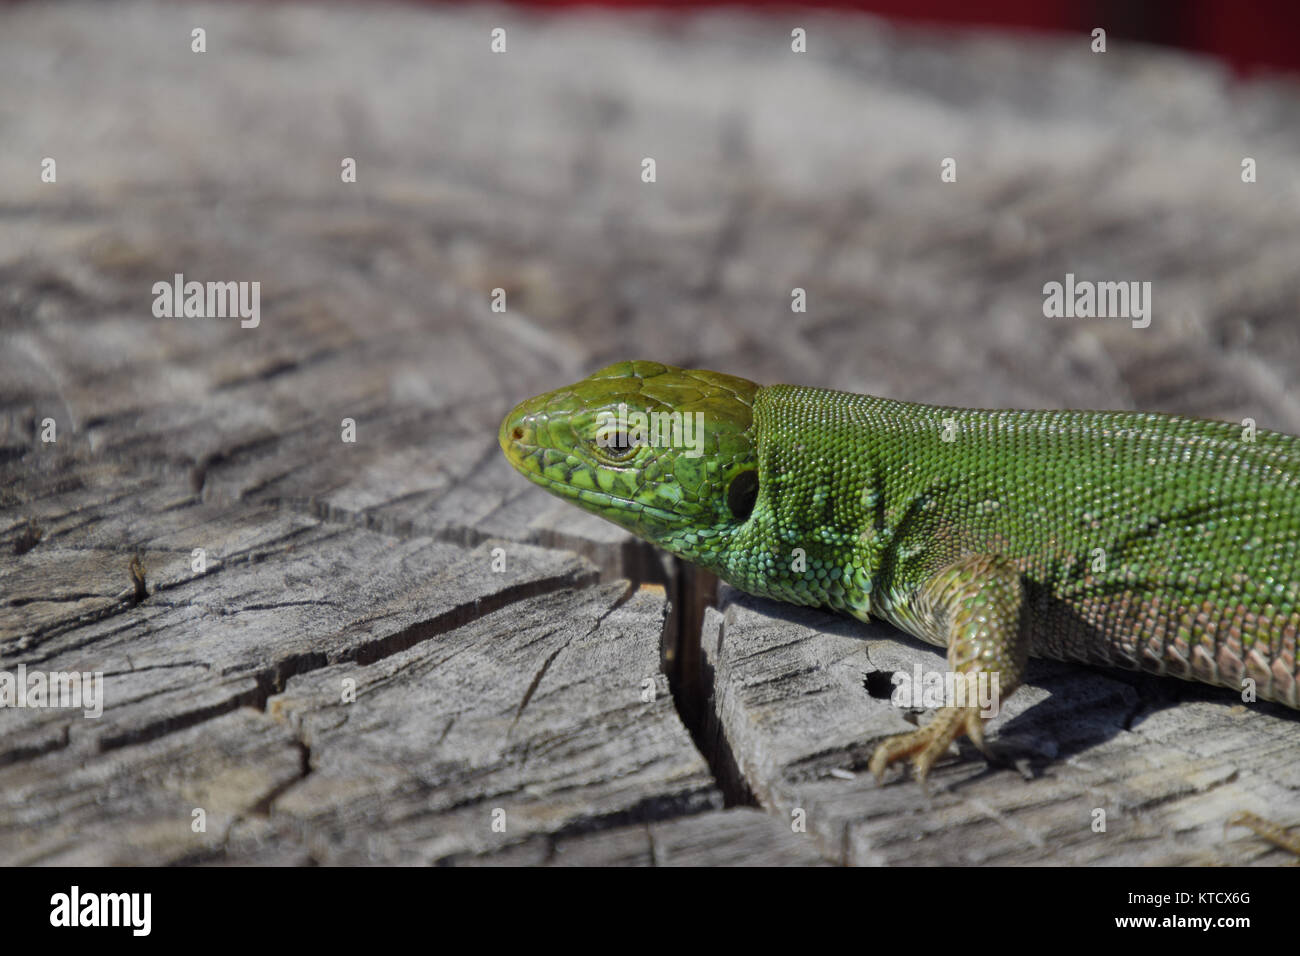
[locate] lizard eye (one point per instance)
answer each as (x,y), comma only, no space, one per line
(614,446)
(742,493)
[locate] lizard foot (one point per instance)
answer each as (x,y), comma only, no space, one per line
(929,743)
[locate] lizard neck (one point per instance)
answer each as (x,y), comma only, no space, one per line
(814,537)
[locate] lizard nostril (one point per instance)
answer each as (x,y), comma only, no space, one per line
(517,434)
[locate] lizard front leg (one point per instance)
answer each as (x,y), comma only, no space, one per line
(976,606)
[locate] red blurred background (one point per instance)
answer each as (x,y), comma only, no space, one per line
(1251,35)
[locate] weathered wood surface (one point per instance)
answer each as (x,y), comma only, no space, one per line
(521,690)
(801,699)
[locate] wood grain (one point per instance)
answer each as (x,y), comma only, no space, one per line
(483,686)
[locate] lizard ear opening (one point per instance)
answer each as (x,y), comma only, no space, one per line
(742,493)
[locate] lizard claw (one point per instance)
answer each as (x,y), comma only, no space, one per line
(928,743)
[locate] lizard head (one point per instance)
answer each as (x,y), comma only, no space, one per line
(667,453)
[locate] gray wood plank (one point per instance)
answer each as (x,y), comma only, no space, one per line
(550,715)
(801,698)
(550,707)
(740,836)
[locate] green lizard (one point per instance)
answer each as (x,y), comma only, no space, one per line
(1149,542)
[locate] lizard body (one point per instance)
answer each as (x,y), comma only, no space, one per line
(1137,540)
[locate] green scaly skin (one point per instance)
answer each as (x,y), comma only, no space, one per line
(1149,542)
